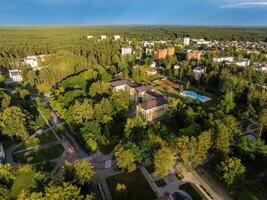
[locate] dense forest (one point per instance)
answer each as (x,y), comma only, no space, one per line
(18,42)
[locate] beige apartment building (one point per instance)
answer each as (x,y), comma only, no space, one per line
(153,109)
(153,104)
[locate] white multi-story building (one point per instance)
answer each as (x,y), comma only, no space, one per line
(15,75)
(186,41)
(262,69)
(199,71)
(32,61)
(103,37)
(147,44)
(223,59)
(116,37)
(243,63)
(126,51)
(201,41)
(153,64)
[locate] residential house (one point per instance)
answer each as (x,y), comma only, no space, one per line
(124,85)
(126,51)
(153,64)
(223,59)
(243,63)
(261,67)
(201,41)
(2,154)
(151,71)
(199,71)
(103,37)
(116,37)
(153,109)
(33,61)
(15,75)
(147,44)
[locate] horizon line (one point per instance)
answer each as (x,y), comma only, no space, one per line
(115,24)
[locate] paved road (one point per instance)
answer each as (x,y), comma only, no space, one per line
(55,120)
(217,191)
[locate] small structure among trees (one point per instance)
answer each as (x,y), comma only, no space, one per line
(2,154)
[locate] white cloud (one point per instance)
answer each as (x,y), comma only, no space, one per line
(245,4)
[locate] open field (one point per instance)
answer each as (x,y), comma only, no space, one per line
(44,138)
(39,156)
(137,186)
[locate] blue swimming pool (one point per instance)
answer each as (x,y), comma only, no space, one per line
(194,95)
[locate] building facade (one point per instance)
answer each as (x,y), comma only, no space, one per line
(126,51)
(103,37)
(199,71)
(194,55)
(150,105)
(15,75)
(116,37)
(153,109)
(163,53)
(186,41)
(223,59)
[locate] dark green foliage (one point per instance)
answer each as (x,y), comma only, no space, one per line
(137,186)
(193,191)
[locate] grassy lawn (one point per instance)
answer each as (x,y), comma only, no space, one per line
(47,137)
(44,138)
(137,186)
(46,166)
(256,189)
(39,156)
(107,148)
(193,191)
(21,182)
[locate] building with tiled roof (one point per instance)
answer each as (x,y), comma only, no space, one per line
(153,109)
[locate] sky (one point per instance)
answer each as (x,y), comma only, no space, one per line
(103,12)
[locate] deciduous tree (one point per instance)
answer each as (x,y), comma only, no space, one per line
(232,170)
(164,160)
(125,159)
(12,123)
